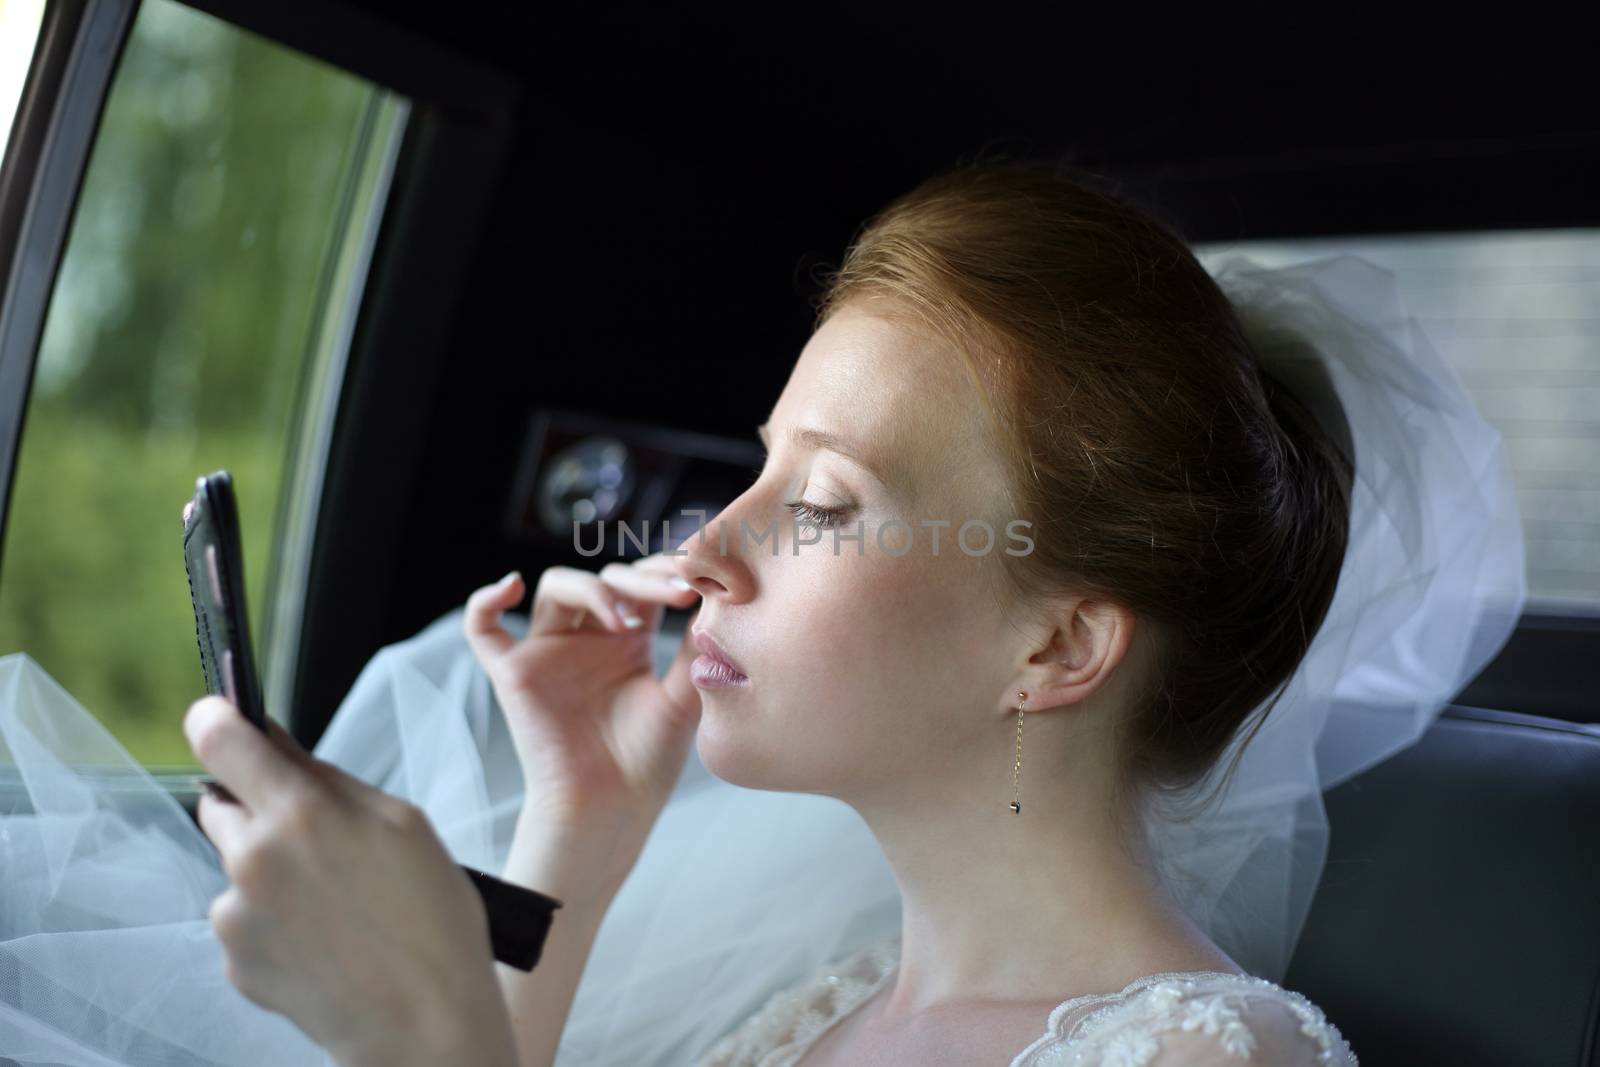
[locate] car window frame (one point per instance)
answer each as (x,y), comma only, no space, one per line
(437,179)
(46,159)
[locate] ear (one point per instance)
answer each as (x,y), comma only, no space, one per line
(1089,638)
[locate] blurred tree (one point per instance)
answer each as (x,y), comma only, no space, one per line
(174,345)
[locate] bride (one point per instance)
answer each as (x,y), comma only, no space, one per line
(1050,580)
(1001,345)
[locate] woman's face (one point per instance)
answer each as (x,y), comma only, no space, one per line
(875,660)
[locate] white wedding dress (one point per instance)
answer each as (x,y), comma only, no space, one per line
(1171,1019)
(107,958)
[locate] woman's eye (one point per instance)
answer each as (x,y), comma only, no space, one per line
(813,515)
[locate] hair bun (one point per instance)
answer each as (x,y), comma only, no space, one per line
(1302,395)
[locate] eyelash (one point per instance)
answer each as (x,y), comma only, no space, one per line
(826,518)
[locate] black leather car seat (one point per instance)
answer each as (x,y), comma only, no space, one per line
(1458,918)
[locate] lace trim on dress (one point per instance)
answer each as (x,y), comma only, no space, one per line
(793,1018)
(1119,1031)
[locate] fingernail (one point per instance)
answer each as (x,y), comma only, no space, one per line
(679,582)
(629,619)
(190,723)
(507,579)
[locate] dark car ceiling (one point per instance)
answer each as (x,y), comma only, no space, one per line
(846,105)
(675,177)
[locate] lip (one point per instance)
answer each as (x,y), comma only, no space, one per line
(708,645)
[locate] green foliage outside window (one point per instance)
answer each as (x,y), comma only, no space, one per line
(175,344)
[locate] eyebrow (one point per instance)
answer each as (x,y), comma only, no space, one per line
(811,437)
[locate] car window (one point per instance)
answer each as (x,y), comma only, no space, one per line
(1513,313)
(199,319)
(19,32)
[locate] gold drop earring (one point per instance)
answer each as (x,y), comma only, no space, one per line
(1016,774)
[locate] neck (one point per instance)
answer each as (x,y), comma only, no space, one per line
(1037,906)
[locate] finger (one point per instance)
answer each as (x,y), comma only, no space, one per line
(224,823)
(661,563)
(670,567)
(645,587)
(584,619)
(481,621)
(246,933)
(562,592)
(253,767)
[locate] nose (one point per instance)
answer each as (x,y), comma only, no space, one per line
(713,559)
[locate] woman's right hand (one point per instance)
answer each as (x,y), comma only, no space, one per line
(601,740)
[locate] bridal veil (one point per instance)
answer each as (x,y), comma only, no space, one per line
(107,956)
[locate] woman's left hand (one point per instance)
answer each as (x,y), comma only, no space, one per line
(346,913)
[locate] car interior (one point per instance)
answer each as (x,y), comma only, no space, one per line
(579,276)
